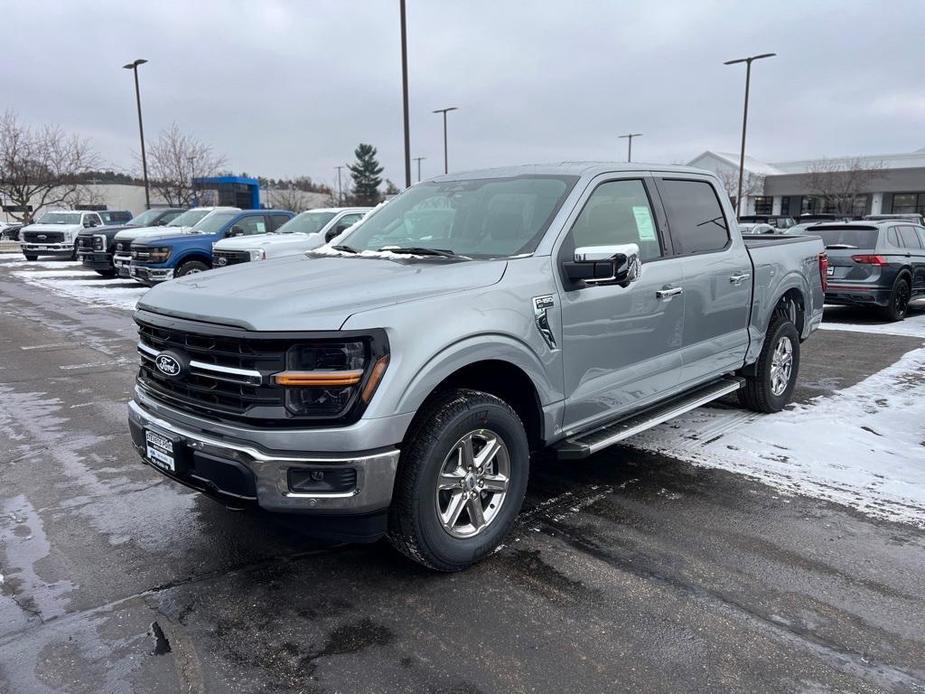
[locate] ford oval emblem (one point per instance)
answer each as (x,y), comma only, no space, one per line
(167,364)
(222,261)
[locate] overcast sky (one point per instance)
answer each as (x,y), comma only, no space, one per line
(289,88)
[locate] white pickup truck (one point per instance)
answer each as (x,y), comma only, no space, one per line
(301,233)
(56,233)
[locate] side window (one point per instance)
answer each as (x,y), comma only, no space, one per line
(92,220)
(345,222)
(255,224)
(909,237)
(892,238)
(169,216)
(695,217)
(618,212)
(920,232)
(276,221)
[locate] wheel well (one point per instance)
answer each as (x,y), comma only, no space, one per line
(792,307)
(194,256)
(504,380)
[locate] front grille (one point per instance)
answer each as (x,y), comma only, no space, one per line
(48,236)
(140,254)
(230,257)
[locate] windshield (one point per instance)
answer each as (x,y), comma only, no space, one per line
(306,223)
(60,218)
(188,218)
(146,218)
(846,237)
(481,218)
(214,222)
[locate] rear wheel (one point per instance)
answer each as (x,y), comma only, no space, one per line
(461,481)
(771,386)
(191,267)
(31,256)
(898,307)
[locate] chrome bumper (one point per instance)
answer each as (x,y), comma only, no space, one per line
(375,472)
(122,263)
(149,274)
(48,247)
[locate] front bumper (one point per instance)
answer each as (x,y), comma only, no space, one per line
(239,473)
(122,263)
(150,275)
(47,248)
(95,260)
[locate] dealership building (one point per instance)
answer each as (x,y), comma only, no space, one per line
(897,184)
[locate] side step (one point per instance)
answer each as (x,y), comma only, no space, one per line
(590,442)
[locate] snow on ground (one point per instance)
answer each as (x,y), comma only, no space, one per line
(863,446)
(71,279)
(913,326)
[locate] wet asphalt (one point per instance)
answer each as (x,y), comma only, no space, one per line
(626,572)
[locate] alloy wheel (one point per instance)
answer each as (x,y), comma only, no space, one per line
(781,366)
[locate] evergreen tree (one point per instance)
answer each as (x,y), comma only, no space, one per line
(365,173)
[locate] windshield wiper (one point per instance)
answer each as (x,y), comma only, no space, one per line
(421,250)
(345,249)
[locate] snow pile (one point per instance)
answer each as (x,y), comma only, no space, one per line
(863,446)
(84,286)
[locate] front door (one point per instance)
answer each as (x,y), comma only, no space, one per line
(621,345)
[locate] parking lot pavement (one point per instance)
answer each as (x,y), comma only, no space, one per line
(655,566)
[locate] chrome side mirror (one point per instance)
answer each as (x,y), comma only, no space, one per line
(618,264)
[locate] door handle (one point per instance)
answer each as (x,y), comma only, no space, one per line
(739,278)
(667,294)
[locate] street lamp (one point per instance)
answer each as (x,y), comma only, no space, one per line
(133,66)
(748,77)
(444,111)
(629,144)
(418,160)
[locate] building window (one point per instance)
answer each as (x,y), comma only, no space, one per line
(904,203)
(764,205)
(785,205)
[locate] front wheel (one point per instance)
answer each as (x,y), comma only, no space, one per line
(191,267)
(898,307)
(461,481)
(770,388)
(107,273)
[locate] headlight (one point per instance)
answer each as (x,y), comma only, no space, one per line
(328,379)
(120,246)
(99,243)
(258,254)
(159,255)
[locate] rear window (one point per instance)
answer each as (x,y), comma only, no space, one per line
(695,217)
(846,237)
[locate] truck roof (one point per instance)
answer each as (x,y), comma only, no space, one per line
(567,168)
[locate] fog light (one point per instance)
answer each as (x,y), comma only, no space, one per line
(307,480)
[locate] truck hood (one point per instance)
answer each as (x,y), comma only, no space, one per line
(301,293)
(72,228)
(244,243)
(133,233)
(172,236)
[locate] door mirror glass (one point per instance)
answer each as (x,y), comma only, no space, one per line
(617,264)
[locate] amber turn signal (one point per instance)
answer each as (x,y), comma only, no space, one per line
(374,377)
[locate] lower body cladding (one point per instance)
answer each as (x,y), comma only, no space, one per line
(853,295)
(150,275)
(338,496)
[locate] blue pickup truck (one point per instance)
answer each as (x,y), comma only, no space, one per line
(160,258)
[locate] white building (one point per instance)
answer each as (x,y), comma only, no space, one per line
(896,186)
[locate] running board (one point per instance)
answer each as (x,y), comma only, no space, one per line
(590,442)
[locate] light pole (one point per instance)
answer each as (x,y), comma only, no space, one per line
(133,66)
(419,160)
(629,144)
(748,77)
(446,167)
(340,194)
(404,93)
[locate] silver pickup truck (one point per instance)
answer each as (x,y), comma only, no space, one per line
(396,382)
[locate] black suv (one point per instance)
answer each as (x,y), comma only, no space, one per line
(880,264)
(95,246)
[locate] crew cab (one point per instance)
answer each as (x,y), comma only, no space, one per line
(181,224)
(56,233)
(163,257)
(96,247)
(301,233)
(396,381)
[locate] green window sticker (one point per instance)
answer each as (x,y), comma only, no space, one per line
(644,223)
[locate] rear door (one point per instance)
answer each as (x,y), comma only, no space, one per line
(915,254)
(717,278)
(620,345)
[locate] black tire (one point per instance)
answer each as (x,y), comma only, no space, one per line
(191,267)
(109,273)
(759,392)
(73,255)
(415,528)
(900,295)
(31,256)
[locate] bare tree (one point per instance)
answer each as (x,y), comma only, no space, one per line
(174,160)
(752,184)
(40,166)
(838,182)
(289,198)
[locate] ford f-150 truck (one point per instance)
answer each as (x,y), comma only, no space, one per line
(396,381)
(95,247)
(182,224)
(160,258)
(301,233)
(56,233)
